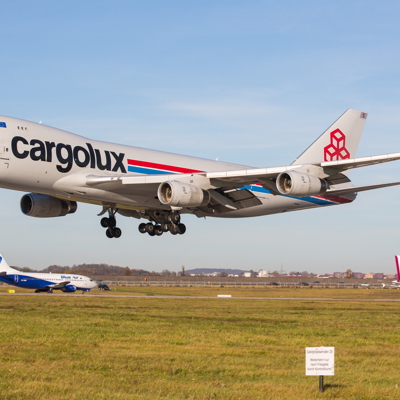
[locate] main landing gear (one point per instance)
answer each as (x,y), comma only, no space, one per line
(161,222)
(166,223)
(110,223)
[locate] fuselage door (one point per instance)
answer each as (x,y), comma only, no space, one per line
(4,149)
(4,154)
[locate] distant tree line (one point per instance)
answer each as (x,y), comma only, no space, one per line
(92,269)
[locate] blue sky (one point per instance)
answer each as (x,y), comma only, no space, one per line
(251,82)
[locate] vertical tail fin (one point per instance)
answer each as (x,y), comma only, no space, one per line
(4,267)
(338,142)
(397,268)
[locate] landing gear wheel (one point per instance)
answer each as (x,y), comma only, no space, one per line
(165,227)
(173,229)
(150,228)
(158,231)
(117,232)
(111,222)
(181,229)
(174,217)
(104,222)
(109,234)
(142,228)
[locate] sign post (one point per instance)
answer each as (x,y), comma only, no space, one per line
(320,361)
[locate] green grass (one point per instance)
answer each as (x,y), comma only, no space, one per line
(268,291)
(82,347)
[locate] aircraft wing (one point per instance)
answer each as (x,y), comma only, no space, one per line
(238,178)
(58,285)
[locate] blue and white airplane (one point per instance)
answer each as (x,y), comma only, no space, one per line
(44,282)
(61,169)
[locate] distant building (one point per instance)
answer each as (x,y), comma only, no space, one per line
(264,274)
(368,276)
(390,276)
(378,275)
(358,275)
(250,274)
(338,275)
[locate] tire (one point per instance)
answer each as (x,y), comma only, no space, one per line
(150,228)
(175,218)
(181,229)
(104,222)
(142,228)
(117,232)
(109,234)
(158,231)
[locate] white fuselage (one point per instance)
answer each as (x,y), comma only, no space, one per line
(40,159)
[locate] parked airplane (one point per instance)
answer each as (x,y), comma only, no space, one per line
(43,282)
(61,169)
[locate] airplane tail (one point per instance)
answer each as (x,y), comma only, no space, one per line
(4,267)
(397,268)
(338,142)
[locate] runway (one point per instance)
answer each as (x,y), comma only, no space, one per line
(197,297)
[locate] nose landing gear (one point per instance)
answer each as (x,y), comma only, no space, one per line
(110,223)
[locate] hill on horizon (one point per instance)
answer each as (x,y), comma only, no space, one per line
(212,270)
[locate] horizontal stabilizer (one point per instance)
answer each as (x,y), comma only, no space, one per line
(339,192)
(344,165)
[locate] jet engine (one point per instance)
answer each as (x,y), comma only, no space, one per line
(179,194)
(42,206)
(293,183)
(68,288)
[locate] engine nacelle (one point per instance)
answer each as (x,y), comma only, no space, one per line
(42,206)
(293,183)
(179,194)
(69,288)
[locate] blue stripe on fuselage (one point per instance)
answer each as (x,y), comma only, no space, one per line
(314,200)
(25,281)
(148,171)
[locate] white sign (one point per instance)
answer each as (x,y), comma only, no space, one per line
(320,361)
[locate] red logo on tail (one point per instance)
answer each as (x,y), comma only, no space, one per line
(336,150)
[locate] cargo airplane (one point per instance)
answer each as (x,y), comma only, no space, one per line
(60,169)
(44,282)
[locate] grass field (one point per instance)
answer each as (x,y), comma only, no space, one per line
(85,347)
